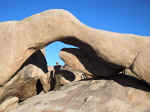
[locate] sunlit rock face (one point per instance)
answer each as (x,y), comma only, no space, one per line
(25,82)
(119,94)
(87,62)
(99,54)
(24,37)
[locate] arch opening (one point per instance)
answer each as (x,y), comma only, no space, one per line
(53,50)
(86,55)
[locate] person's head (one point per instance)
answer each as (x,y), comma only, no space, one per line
(57,63)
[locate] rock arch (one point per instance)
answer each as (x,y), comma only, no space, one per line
(21,39)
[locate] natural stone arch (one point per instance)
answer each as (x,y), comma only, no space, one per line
(37,31)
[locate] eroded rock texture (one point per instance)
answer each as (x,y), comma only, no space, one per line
(24,37)
(87,62)
(63,76)
(28,81)
(119,94)
(99,53)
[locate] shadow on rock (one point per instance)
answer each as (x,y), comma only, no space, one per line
(38,59)
(66,74)
(126,81)
(88,58)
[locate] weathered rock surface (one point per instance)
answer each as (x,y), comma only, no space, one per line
(23,38)
(78,59)
(64,76)
(9,104)
(26,80)
(81,60)
(118,94)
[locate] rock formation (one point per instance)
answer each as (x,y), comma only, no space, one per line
(64,76)
(99,54)
(28,81)
(25,37)
(9,104)
(119,94)
(91,65)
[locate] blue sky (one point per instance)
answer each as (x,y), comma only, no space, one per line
(124,16)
